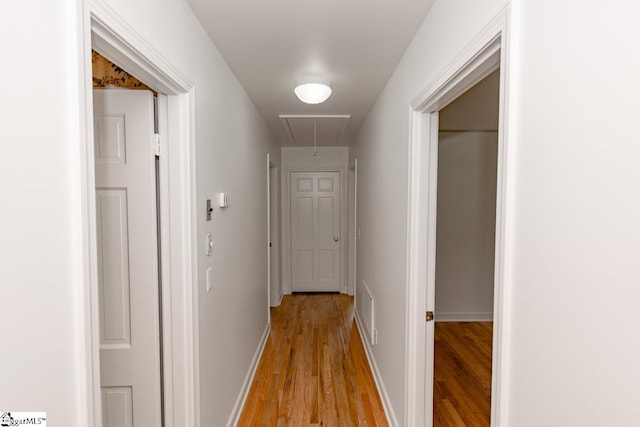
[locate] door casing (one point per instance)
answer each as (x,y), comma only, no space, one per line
(352,228)
(273,227)
(487,52)
(103,30)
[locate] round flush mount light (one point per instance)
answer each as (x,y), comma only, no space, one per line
(313,93)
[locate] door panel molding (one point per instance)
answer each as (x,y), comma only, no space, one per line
(315,231)
(126,214)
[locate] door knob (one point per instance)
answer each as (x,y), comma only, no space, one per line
(335,239)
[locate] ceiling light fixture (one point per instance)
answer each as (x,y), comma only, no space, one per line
(313,93)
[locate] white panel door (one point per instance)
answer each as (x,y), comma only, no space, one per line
(315,231)
(127,258)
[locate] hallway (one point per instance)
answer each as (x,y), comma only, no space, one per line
(313,370)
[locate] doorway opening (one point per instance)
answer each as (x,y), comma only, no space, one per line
(127,173)
(485,54)
(108,231)
(465,255)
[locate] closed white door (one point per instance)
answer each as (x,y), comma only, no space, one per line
(127,258)
(315,231)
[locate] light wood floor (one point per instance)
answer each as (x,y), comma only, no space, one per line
(462,383)
(313,371)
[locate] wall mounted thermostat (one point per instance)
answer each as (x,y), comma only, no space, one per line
(223,202)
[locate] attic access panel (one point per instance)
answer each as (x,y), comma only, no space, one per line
(330,128)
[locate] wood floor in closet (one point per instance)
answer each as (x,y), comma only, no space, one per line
(462,383)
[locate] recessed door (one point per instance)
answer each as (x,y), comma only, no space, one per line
(315,231)
(127,258)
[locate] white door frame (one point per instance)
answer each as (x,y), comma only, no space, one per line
(273,234)
(107,33)
(269,238)
(487,52)
(286,221)
(353,230)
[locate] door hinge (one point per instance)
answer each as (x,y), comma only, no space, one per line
(429,316)
(156,141)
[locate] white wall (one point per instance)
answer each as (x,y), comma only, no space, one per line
(39,217)
(302,158)
(40,364)
(576,235)
(232,143)
(574,240)
(465,245)
(382,152)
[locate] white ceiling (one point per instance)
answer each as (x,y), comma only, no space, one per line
(273,44)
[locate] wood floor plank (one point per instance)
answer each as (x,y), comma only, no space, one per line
(313,370)
(462,380)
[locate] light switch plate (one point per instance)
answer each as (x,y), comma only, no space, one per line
(209,279)
(208,244)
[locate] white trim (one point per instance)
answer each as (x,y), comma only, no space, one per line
(185,299)
(415,327)
(377,377)
(476,62)
(268,238)
(275,234)
(356,234)
(111,35)
(281,296)
(113,38)
(453,316)
(89,372)
(487,52)
(353,232)
(248,380)
(432,197)
(165,230)
(286,219)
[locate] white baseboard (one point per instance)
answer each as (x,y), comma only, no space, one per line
(246,386)
(277,304)
(453,316)
(386,403)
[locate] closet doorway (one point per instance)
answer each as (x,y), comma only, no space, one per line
(465,256)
